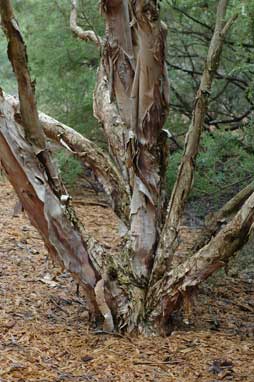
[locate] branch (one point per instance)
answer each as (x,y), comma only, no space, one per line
(214,221)
(28,166)
(46,212)
(236,81)
(185,176)
(85,150)
(18,57)
(231,120)
(228,24)
(88,35)
(164,297)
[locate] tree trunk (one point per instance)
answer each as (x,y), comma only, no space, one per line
(135,288)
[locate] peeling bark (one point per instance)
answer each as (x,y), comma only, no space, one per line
(106,111)
(166,295)
(62,239)
(147,145)
(131,100)
(91,155)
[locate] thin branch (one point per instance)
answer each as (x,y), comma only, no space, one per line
(236,81)
(185,176)
(231,120)
(88,35)
(228,24)
(191,17)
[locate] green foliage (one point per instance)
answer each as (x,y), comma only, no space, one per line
(224,165)
(190,27)
(64,67)
(70,168)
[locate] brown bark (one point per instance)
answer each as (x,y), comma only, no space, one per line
(147,145)
(87,151)
(44,209)
(105,276)
(28,166)
(218,219)
(167,293)
(134,77)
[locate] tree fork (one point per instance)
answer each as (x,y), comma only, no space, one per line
(166,295)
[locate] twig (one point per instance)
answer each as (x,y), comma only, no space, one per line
(88,35)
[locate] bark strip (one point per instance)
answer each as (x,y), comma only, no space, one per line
(47,214)
(147,145)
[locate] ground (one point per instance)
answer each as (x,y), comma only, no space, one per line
(44,331)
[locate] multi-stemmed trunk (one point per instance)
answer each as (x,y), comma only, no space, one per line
(140,286)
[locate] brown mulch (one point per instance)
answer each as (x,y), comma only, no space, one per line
(44,331)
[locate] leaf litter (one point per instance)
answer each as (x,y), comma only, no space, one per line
(45,335)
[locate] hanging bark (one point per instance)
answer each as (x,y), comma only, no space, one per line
(147,145)
(131,100)
(112,93)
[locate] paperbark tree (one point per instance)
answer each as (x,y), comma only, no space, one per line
(139,287)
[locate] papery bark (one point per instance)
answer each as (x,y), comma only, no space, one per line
(53,220)
(147,146)
(134,80)
(167,294)
(87,151)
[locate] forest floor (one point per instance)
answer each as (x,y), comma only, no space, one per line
(44,331)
